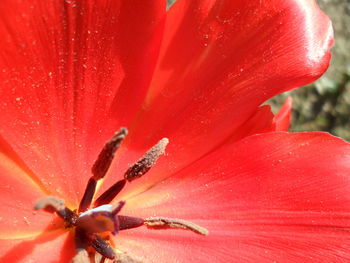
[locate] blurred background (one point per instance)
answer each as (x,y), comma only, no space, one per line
(325,104)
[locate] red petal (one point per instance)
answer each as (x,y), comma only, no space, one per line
(66,68)
(20,191)
(270,197)
(48,248)
(284,115)
(262,121)
(219,61)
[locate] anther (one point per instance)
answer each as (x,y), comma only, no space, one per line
(53,204)
(127,222)
(110,193)
(101,167)
(144,164)
(104,217)
(164,223)
(88,194)
(105,158)
(102,247)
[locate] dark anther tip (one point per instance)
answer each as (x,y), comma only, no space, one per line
(122,130)
(145,163)
(110,193)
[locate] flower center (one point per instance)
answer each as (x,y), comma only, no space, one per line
(93,222)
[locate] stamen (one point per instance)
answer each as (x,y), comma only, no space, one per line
(53,204)
(127,222)
(163,223)
(144,164)
(88,195)
(104,217)
(110,193)
(101,167)
(102,247)
(105,157)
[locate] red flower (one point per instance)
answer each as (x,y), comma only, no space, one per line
(73,72)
